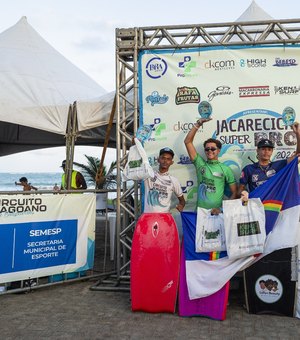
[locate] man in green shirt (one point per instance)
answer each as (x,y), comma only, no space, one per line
(211,174)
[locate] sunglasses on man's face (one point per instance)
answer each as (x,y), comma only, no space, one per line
(210,149)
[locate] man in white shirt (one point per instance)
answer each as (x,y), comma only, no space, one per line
(159,189)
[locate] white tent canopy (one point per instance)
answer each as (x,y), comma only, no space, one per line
(38,85)
(254,13)
(94,112)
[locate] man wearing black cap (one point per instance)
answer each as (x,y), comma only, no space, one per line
(159,189)
(77,180)
(254,175)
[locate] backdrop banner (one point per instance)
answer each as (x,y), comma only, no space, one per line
(249,91)
(43,235)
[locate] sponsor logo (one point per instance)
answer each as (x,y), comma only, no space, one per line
(156,68)
(183,159)
(155,230)
(285,62)
(155,98)
(253,62)
(190,190)
(248,228)
(286,90)
(188,185)
(187,65)
(183,127)
(187,95)
(153,161)
(254,91)
(220,65)
(219,91)
(158,128)
(268,288)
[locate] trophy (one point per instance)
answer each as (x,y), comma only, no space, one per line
(143,133)
(205,109)
(288,116)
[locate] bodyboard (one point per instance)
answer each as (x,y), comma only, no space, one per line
(213,306)
(154,267)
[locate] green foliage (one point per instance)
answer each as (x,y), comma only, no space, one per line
(89,171)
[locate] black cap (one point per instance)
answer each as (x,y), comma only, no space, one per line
(166,150)
(63,164)
(265,143)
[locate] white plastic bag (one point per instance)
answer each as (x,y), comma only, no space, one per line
(137,167)
(245,229)
(210,234)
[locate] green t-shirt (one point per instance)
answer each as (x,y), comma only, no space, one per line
(212,177)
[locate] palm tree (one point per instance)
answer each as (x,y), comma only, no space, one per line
(90,169)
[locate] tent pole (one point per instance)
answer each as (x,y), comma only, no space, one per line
(70,142)
(73,139)
(68,147)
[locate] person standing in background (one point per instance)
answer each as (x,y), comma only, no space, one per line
(77,180)
(24,183)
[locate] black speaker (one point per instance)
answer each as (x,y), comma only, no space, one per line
(270,284)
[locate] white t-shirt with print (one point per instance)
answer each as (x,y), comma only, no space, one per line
(158,192)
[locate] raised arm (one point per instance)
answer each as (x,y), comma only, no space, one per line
(189,139)
(296,129)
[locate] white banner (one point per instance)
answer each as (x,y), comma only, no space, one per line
(247,88)
(43,235)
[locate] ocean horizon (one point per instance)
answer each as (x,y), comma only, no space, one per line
(40,180)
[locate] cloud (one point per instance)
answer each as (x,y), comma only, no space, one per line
(96,35)
(92,43)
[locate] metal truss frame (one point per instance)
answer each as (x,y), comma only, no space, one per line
(131,41)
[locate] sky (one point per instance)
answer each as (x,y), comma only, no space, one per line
(84,32)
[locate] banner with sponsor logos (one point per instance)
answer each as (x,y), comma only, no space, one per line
(46,234)
(252,92)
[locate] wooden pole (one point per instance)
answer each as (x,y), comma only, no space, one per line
(99,176)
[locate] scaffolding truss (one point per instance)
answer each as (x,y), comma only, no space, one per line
(131,41)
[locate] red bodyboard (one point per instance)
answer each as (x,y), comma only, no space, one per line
(154,267)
